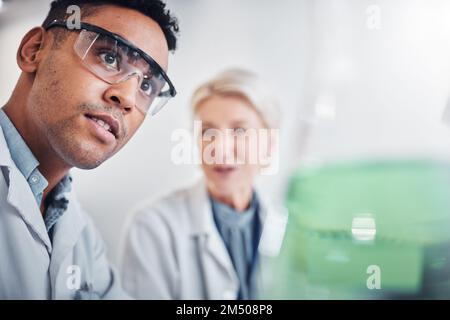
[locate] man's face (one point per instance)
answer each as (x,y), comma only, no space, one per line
(65,95)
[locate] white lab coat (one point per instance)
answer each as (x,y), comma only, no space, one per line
(31,267)
(171,249)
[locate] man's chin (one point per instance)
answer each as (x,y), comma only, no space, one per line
(85,161)
(88,166)
(80,149)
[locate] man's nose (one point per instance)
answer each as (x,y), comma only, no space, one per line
(123,94)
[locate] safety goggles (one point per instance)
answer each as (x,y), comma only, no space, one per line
(114,60)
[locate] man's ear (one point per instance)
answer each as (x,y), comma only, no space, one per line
(30,50)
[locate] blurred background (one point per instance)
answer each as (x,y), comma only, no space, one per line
(358,81)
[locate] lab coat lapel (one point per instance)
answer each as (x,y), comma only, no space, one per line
(204,226)
(67,233)
(273,221)
(21,197)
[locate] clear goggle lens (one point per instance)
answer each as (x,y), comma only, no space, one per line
(115,62)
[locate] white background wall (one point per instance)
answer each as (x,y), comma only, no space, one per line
(347,91)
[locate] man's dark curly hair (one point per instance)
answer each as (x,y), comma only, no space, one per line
(154,9)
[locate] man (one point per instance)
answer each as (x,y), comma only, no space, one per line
(81,96)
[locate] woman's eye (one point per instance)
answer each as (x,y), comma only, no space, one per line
(207,132)
(240,130)
(110,59)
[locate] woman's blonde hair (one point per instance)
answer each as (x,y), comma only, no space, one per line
(245,84)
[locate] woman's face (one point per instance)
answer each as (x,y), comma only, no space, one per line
(231,142)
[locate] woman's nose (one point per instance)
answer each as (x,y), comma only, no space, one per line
(226,146)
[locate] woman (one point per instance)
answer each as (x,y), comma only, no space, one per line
(205,241)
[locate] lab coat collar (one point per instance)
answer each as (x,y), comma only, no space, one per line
(203,222)
(207,237)
(67,232)
(273,220)
(203,227)
(5,156)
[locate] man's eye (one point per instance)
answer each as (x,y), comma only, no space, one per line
(110,59)
(147,87)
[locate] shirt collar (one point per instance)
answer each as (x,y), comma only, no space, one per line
(26,162)
(229,216)
(21,154)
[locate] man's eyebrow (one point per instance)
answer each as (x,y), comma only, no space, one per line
(128,42)
(121,36)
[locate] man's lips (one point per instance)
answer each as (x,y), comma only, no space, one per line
(107,122)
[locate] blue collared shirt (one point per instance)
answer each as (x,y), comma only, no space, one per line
(27,164)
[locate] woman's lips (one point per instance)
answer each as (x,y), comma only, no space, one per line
(224,170)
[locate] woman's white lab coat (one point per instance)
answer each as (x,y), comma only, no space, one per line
(173,250)
(31,267)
